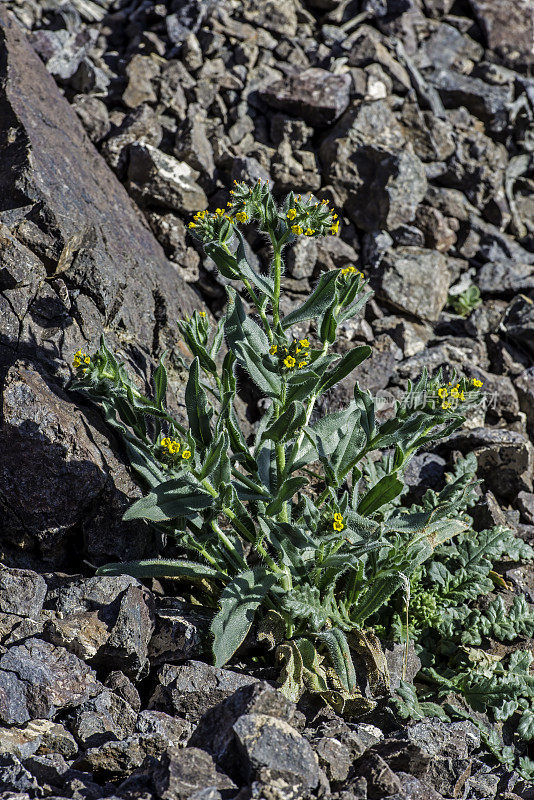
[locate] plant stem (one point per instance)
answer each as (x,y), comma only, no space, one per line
(277,265)
(235,558)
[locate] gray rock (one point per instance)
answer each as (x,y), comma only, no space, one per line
(141,126)
(94,116)
(16,778)
(173,730)
(449,775)
(376,175)
(155,178)
(448,739)
(62,51)
(294,130)
(525,503)
(411,337)
(181,632)
(268,14)
(518,323)
(37,680)
(302,257)
(488,103)
(141,72)
(314,95)
(118,758)
(36,737)
(22,592)
(399,666)
(524,383)
(449,48)
(505,276)
(415,280)
(248,169)
(50,770)
(505,30)
(191,143)
(333,252)
(270,743)
(334,757)
(416,789)
(122,686)
(381,780)
(185,774)
(190,689)
(505,458)
(438,234)
(102,718)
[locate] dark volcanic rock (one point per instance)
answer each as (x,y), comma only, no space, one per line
(314,95)
(416,280)
(506,29)
(185,774)
(62,198)
(38,679)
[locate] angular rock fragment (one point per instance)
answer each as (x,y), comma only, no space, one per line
(37,680)
(186,775)
(314,95)
(506,29)
(155,178)
(415,280)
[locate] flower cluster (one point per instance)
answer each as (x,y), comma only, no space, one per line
(80,359)
(209,227)
(349,272)
(170,447)
(451,396)
(311,219)
(338,523)
(297,355)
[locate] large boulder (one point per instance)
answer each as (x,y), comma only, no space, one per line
(76,258)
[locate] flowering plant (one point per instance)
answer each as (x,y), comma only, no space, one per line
(299,537)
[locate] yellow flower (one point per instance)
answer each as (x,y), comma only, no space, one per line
(289,362)
(78,353)
(461,396)
(309,232)
(192,225)
(455,392)
(476,383)
(219,212)
(338,517)
(292,213)
(334,227)
(201,313)
(273,349)
(302,364)
(304,342)
(442,393)
(334,216)
(349,270)
(174,447)
(166,441)
(241,216)
(186,454)
(297,230)
(446,404)
(338,526)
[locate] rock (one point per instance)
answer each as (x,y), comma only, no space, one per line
(524,383)
(416,789)
(83,634)
(215,730)
(37,680)
(117,758)
(102,718)
(438,235)
(518,323)
(411,337)
(334,757)
(505,458)
(122,686)
(505,276)
(525,503)
(268,14)
(15,777)
(22,592)
(155,178)
(141,126)
(94,116)
(488,103)
(173,730)
(302,257)
(314,95)
(185,774)
(399,666)
(376,175)
(190,689)
(449,775)
(174,80)
(381,780)
(50,770)
(448,739)
(415,280)
(448,48)
(62,51)
(505,30)
(140,72)
(182,631)
(38,737)
(191,143)
(269,743)
(333,252)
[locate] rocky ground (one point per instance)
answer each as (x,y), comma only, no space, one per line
(414,117)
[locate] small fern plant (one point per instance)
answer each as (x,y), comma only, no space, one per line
(299,536)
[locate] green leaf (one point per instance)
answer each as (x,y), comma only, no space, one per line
(288,489)
(387,489)
(317,303)
(199,412)
(264,283)
(287,423)
(160,384)
(177,497)
(344,367)
(525,727)
(225,261)
(340,656)
(375,595)
(239,602)
(161,568)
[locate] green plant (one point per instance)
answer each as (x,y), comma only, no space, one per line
(309,566)
(465,302)
(459,631)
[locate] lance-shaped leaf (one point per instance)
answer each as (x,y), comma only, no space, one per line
(387,489)
(286,492)
(249,344)
(239,602)
(264,283)
(177,497)
(339,652)
(225,261)
(375,595)
(160,384)
(317,303)
(365,403)
(199,412)
(162,568)
(344,367)
(287,423)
